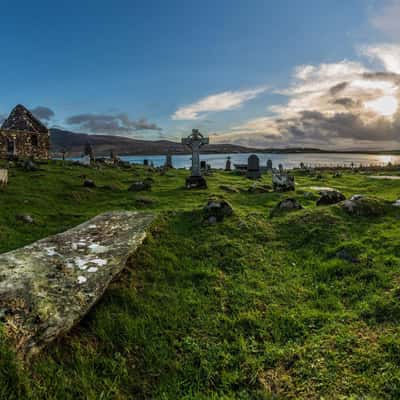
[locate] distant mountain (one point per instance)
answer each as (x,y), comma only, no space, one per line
(73,143)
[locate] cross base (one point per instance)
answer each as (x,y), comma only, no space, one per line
(196,182)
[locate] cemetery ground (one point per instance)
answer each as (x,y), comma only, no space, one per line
(302,305)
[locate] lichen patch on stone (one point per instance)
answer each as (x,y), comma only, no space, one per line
(81,279)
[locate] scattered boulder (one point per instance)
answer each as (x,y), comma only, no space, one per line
(364,206)
(49,286)
(282,182)
(216,210)
(290,204)
(328,197)
(26,218)
(196,182)
(89,183)
(140,186)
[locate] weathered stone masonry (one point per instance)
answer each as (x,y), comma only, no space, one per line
(22,144)
(23,136)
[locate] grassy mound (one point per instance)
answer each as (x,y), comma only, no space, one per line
(248,308)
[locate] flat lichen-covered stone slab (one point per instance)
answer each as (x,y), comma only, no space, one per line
(48,286)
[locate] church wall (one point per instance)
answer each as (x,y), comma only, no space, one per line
(26,144)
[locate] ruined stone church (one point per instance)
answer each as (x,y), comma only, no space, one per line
(23,136)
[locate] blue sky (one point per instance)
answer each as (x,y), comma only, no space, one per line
(238,70)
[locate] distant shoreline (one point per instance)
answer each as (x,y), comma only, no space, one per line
(252,151)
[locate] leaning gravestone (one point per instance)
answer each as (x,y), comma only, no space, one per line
(253,167)
(50,285)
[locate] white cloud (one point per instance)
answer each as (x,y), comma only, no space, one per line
(336,104)
(217,102)
(388,55)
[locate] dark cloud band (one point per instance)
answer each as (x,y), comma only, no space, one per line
(110,124)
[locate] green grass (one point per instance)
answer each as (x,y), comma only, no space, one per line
(250,308)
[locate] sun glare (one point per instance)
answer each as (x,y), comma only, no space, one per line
(385,105)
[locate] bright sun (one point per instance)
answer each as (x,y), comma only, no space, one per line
(385,105)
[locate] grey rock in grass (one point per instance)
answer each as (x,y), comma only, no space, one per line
(216,210)
(289,204)
(364,206)
(50,285)
(328,197)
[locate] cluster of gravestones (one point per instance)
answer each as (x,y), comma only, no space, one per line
(281,181)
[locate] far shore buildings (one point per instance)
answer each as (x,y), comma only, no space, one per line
(23,136)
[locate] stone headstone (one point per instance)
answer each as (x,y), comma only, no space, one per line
(146,162)
(280,167)
(203,165)
(269,165)
(195,141)
(49,286)
(113,157)
(282,182)
(253,167)
(228,165)
(88,151)
(168,161)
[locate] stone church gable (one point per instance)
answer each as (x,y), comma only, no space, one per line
(23,136)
